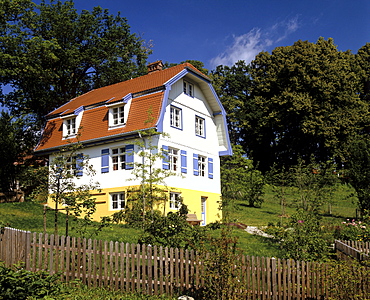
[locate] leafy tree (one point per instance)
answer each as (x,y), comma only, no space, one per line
(358,171)
(304,101)
(16,140)
(50,53)
(240,180)
(363,60)
(65,170)
(315,184)
(232,85)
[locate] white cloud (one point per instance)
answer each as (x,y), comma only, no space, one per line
(247,46)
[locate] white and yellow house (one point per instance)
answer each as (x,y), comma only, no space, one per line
(108,121)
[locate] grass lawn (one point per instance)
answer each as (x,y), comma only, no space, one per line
(29,216)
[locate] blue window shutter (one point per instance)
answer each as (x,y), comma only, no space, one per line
(79,164)
(129,157)
(165,160)
(210,168)
(184,165)
(195,164)
(105,160)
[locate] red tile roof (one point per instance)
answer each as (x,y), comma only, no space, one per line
(94,123)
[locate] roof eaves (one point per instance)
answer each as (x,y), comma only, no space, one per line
(96,141)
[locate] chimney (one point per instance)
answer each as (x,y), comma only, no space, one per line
(156,66)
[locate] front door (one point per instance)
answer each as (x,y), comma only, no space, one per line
(203,209)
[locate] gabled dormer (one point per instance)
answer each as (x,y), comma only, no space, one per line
(71,123)
(118,111)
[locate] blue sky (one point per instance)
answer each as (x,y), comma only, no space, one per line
(225,31)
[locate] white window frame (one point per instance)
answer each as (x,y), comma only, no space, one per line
(118,158)
(173,159)
(117,199)
(175,202)
(188,88)
(200,126)
(70,127)
(117,115)
(175,117)
(71,165)
(202,165)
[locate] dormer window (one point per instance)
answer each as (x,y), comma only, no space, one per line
(69,128)
(188,88)
(118,115)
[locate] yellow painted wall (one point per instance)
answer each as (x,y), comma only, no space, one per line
(190,197)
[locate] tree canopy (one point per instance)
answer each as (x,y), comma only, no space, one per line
(51,53)
(298,101)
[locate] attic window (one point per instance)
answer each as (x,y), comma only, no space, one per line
(188,89)
(69,127)
(117,116)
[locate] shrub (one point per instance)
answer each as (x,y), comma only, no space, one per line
(18,283)
(303,238)
(348,280)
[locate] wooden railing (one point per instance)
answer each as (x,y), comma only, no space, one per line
(353,249)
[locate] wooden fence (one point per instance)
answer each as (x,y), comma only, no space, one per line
(353,249)
(157,270)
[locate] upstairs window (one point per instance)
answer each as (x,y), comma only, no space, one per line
(118,201)
(188,89)
(202,165)
(119,158)
(200,126)
(69,127)
(173,157)
(175,117)
(74,164)
(117,116)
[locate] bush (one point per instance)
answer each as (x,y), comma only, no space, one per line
(348,280)
(303,238)
(18,283)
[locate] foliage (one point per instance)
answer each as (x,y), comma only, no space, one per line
(354,230)
(303,100)
(143,200)
(240,180)
(315,183)
(303,238)
(16,141)
(173,231)
(232,85)
(51,53)
(34,182)
(363,60)
(17,283)
(358,171)
(348,280)
(79,291)
(218,256)
(65,169)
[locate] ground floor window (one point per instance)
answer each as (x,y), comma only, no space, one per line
(118,201)
(175,200)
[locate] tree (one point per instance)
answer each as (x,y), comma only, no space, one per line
(50,53)
(358,171)
(232,85)
(66,168)
(240,180)
(16,141)
(363,60)
(304,101)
